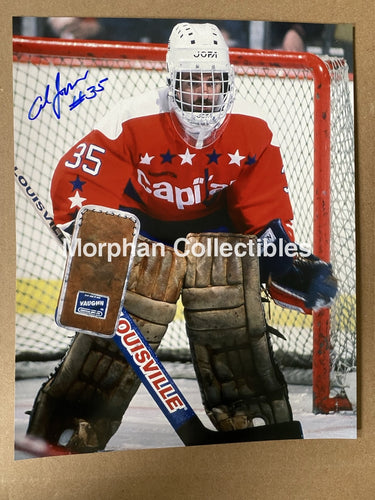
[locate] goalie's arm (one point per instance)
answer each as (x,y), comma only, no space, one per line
(92,172)
(260,193)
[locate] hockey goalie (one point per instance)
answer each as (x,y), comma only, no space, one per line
(197,165)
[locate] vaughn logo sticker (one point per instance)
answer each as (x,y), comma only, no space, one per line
(91,304)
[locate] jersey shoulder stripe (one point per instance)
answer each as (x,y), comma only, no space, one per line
(248,108)
(146,104)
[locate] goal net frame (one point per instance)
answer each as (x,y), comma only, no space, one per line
(320,72)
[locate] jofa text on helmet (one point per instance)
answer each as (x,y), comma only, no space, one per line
(209,54)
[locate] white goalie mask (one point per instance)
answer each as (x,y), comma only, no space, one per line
(201,82)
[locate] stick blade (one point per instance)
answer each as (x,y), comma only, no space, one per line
(193,433)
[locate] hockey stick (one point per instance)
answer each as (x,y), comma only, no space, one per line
(156,379)
(39,207)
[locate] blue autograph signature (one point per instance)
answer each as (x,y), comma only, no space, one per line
(40,102)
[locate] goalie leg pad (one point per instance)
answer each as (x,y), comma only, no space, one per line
(92,387)
(231,349)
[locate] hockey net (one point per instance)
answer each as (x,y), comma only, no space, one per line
(308,98)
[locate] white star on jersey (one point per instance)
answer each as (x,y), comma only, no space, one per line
(187,157)
(236,158)
(146,159)
(76,200)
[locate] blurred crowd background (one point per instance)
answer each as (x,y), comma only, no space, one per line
(330,39)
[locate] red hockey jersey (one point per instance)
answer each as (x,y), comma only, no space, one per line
(136,161)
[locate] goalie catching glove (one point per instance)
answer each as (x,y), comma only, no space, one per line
(308,286)
(301,282)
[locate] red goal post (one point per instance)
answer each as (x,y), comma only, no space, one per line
(307,97)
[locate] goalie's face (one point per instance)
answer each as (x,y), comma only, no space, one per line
(201,101)
(200,92)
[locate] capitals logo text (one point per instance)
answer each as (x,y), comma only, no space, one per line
(200,191)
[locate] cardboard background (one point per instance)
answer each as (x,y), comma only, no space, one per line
(291,470)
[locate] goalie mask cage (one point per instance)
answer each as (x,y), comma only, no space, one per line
(309,100)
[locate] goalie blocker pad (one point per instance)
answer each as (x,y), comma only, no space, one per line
(96,271)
